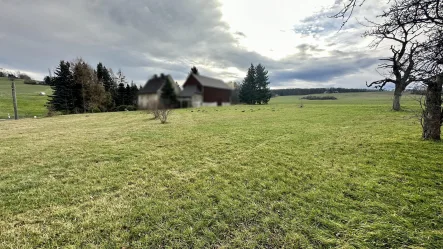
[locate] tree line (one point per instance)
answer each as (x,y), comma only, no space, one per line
(307,91)
(19,75)
(79,88)
(255,86)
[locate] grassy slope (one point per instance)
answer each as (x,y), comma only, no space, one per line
(346,173)
(28,100)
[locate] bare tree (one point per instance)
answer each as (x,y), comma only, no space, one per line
(426,58)
(164,113)
(401,64)
(419,11)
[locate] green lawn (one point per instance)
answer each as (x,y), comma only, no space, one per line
(29,102)
(347,173)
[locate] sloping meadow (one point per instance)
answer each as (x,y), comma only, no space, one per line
(342,173)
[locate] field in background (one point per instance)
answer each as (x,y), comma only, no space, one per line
(342,173)
(29,102)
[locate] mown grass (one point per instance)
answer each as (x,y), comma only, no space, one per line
(347,173)
(29,102)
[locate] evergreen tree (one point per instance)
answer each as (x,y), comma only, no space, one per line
(248,90)
(128,95)
(121,95)
(62,99)
(110,84)
(262,83)
(134,93)
(47,80)
(81,78)
(100,72)
(194,70)
(168,96)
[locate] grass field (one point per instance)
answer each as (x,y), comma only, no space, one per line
(29,102)
(347,173)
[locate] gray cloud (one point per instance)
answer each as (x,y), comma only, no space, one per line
(325,69)
(143,37)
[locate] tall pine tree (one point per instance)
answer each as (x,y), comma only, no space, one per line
(134,93)
(248,89)
(62,97)
(194,70)
(262,83)
(168,96)
(121,95)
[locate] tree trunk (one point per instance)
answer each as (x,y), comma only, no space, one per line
(397,96)
(432,114)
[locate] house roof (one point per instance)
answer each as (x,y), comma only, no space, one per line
(211,82)
(155,84)
(189,91)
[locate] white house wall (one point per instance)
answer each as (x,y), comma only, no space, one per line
(145,99)
(197,100)
(209,104)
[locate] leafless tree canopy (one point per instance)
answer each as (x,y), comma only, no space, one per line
(401,64)
(418,11)
(417,27)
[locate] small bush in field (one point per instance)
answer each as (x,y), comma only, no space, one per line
(121,108)
(309,97)
(131,108)
(163,115)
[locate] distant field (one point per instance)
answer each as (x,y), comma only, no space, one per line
(28,100)
(346,173)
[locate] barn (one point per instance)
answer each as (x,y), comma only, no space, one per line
(199,90)
(152,90)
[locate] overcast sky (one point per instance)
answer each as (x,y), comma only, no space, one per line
(294,39)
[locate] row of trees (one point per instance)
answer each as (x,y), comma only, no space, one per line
(415,28)
(306,91)
(78,88)
(19,75)
(255,87)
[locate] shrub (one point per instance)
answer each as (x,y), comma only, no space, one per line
(96,110)
(30,82)
(131,108)
(121,108)
(163,115)
(309,97)
(52,112)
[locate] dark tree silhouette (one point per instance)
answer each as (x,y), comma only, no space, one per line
(62,98)
(248,90)
(168,95)
(194,70)
(262,83)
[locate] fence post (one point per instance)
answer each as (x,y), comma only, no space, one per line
(14,100)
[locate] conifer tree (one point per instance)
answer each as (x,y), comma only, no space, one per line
(62,98)
(128,95)
(248,90)
(262,83)
(168,96)
(100,72)
(194,70)
(121,92)
(134,93)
